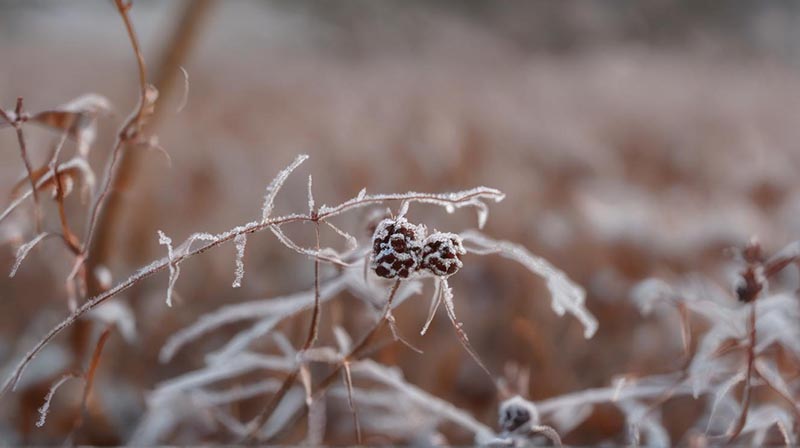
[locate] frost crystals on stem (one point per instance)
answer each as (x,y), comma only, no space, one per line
(45,409)
(567,296)
(174,269)
(276,184)
(240,241)
(23,252)
(447,296)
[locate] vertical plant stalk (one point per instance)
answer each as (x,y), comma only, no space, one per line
(70,239)
(313,331)
(89,376)
(129,130)
(348,380)
(751,358)
(193,15)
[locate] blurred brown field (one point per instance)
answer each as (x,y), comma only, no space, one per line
(630,141)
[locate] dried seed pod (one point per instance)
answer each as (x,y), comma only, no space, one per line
(517,415)
(374,217)
(397,248)
(441,254)
(750,284)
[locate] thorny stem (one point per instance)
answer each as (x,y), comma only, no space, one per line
(134,279)
(412,197)
(252,227)
(751,357)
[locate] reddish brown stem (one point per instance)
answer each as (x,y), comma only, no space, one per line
(90,374)
(751,357)
(192,16)
(23,149)
(355,352)
(125,285)
(313,331)
(129,130)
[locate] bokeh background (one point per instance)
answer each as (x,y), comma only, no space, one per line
(633,139)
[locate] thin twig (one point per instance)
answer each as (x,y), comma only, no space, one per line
(192,16)
(264,415)
(140,275)
(348,381)
(313,331)
(89,376)
(129,130)
(23,149)
(751,357)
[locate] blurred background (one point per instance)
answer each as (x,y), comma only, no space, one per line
(633,139)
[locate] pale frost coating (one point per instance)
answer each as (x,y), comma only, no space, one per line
(118,314)
(23,252)
(769,373)
(45,408)
(436,300)
(352,242)
(185,98)
(174,269)
(326,254)
(175,255)
(310,195)
(242,363)
(566,295)
(281,307)
(475,197)
(721,393)
(74,165)
(435,405)
(441,254)
(276,184)
(396,248)
(640,419)
(517,414)
(240,241)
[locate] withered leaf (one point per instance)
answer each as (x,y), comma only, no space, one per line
(78,119)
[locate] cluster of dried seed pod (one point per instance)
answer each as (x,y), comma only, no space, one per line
(400,248)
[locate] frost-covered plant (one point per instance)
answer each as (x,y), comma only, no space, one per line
(742,369)
(395,241)
(438,255)
(748,344)
(399,252)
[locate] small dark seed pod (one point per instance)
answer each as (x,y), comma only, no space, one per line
(517,414)
(441,254)
(750,285)
(397,248)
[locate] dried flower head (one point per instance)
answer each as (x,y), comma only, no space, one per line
(517,415)
(397,248)
(441,254)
